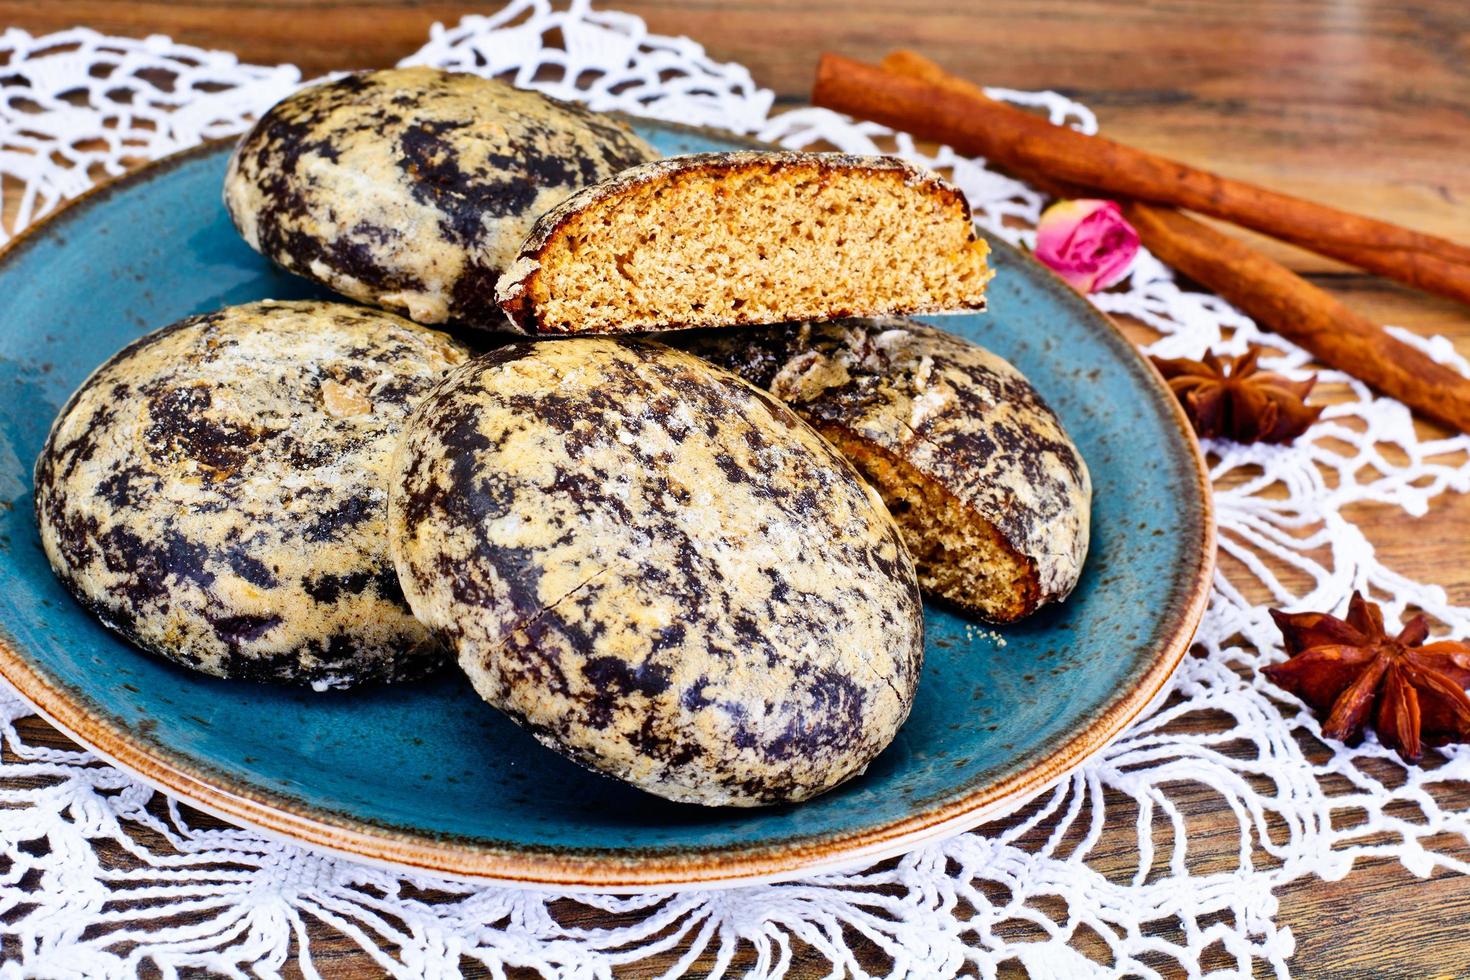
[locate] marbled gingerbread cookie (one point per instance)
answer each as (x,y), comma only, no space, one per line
(658,570)
(993,497)
(217,491)
(412,188)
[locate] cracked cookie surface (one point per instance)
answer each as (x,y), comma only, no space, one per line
(412,188)
(993,497)
(658,570)
(217,492)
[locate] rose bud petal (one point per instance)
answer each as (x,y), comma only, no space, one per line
(1087,243)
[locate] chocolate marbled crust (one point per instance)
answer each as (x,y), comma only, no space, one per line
(658,570)
(217,492)
(413,188)
(961,416)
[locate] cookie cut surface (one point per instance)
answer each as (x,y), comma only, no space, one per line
(412,188)
(216,492)
(658,570)
(992,495)
(715,239)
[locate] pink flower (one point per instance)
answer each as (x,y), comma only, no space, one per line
(1087,243)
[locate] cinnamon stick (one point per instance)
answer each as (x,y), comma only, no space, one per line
(1272,294)
(1278,298)
(1017,139)
(915,65)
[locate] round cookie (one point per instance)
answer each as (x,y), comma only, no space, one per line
(413,188)
(217,491)
(658,570)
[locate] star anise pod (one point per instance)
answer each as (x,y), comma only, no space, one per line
(1410,691)
(1231,397)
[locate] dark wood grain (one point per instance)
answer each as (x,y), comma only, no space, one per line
(1362,105)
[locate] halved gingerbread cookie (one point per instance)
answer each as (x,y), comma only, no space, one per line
(718,239)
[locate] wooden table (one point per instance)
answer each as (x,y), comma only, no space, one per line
(1363,105)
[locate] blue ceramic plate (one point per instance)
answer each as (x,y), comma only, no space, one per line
(428,777)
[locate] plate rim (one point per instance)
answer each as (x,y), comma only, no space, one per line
(281,817)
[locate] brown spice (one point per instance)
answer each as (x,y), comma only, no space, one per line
(1410,691)
(1231,397)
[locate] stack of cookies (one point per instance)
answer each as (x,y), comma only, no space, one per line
(667,486)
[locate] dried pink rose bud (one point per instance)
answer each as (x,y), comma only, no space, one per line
(1087,243)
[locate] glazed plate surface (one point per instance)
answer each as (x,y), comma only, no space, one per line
(426,776)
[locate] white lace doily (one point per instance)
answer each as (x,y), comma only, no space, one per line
(102,877)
